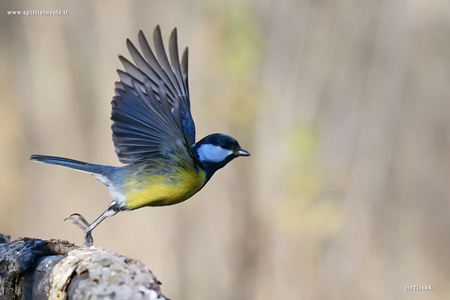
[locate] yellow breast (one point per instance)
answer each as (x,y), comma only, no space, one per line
(161,190)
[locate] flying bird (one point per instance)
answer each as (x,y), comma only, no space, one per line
(154,136)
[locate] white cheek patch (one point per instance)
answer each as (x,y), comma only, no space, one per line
(212,153)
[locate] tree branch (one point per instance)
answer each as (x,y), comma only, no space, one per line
(55,269)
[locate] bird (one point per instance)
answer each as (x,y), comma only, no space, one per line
(153,133)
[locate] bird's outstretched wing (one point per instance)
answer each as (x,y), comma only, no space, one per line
(151,109)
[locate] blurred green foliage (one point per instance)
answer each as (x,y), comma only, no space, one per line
(306,212)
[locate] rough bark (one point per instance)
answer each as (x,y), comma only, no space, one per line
(55,269)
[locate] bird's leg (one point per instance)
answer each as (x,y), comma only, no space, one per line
(81,222)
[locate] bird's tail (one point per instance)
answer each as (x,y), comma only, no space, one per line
(72,164)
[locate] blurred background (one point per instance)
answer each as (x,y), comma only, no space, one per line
(343,104)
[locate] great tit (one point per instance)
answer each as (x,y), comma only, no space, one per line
(154,135)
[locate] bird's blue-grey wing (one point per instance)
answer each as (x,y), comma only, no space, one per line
(151,111)
(181,72)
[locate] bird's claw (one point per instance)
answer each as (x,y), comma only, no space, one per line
(79,218)
(84,225)
(88,239)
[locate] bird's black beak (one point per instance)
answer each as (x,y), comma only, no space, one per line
(242,152)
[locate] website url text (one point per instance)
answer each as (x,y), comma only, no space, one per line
(38,12)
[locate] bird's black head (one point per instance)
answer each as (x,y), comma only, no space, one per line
(215,151)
